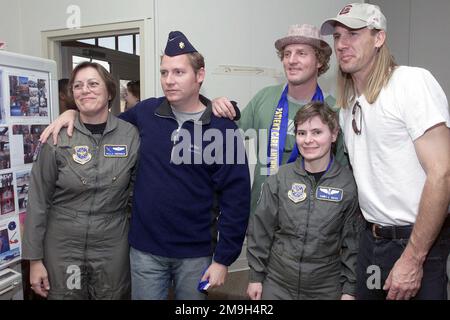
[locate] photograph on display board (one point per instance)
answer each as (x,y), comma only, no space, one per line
(5,155)
(4,241)
(2,108)
(9,240)
(6,194)
(22,183)
(30,134)
(28,96)
(22,217)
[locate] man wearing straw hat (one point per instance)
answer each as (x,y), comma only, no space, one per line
(305,56)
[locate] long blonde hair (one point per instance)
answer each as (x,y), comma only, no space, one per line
(379,76)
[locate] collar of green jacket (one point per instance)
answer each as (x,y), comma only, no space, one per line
(111,124)
(333,171)
(164,110)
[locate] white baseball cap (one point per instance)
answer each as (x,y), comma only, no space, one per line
(356,16)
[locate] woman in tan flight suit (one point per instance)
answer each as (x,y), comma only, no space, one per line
(76,227)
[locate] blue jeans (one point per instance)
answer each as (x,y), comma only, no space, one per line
(151,276)
(383,253)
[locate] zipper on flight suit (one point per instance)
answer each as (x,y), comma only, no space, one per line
(312,187)
(96,145)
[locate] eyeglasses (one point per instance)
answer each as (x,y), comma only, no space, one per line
(356,107)
(92,85)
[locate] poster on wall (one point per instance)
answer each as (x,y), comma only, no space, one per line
(28,96)
(10,240)
(25,140)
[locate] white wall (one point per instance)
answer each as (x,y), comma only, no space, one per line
(419,35)
(11,25)
(240,32)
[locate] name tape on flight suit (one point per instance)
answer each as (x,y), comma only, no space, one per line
(329,194)
(115,151)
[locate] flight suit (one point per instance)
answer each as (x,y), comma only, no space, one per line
(76,220)
(303,237)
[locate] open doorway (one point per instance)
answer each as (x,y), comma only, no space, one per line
(119,54)
(117,46)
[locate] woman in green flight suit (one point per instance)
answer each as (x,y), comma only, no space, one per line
(303,237)
(76,227)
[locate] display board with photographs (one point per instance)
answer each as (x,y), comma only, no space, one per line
(28,100)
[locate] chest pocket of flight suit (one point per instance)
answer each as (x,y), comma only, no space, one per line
(70,174)
(333,221)
(118,179)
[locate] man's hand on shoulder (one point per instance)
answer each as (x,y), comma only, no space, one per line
(66,119)
(224,108)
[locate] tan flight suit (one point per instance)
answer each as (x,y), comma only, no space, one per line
(76,220)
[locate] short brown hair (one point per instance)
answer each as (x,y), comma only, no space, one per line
(110,83)
(135,88)
(197,60)
(317,108)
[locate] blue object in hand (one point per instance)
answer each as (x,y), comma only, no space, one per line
(203,285)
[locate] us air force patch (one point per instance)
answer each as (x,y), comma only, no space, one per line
(329,194)
(81,154)
(115,151)
(297,192)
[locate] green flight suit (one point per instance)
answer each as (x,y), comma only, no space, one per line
(303,237)
(76,220)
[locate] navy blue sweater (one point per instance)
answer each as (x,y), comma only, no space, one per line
(179,210)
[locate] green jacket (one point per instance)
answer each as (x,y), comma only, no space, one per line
(258,115)
(304,235)
(76,216)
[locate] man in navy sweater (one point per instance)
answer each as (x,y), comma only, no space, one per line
(191,198)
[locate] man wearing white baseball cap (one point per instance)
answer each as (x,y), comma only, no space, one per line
(396,123)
